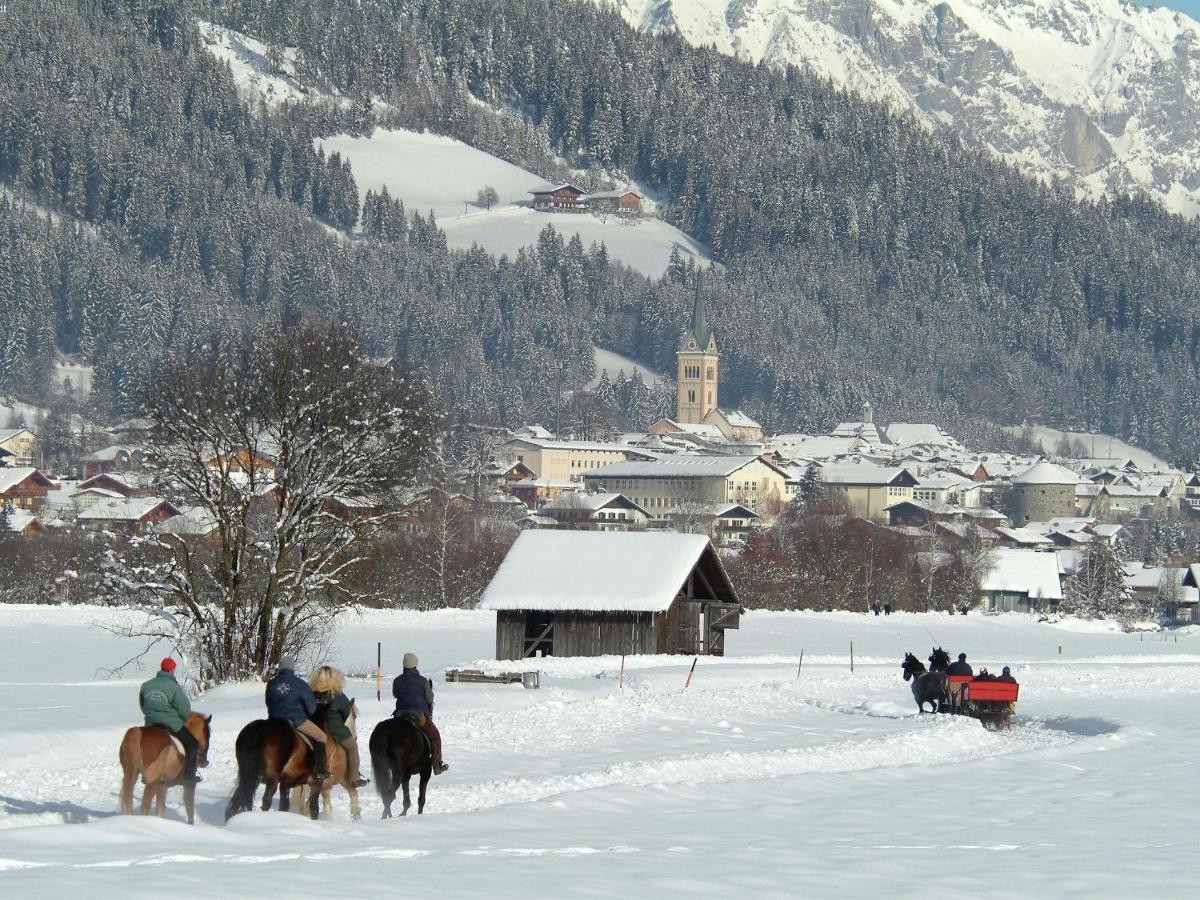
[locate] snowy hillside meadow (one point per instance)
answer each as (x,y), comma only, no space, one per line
(433,172)
(753,780)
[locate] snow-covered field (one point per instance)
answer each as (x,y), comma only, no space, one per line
(751,782)
(432,172)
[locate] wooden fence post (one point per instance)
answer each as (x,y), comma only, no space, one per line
(621,680)
(688,683)
(378,671)
(852,656)
(800,664)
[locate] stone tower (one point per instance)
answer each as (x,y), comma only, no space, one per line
(697,367)
(1043,491)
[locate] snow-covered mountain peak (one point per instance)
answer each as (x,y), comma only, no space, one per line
(1104,92)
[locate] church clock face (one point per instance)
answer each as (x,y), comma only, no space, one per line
(691,345)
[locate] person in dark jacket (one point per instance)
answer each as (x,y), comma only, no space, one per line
(291,699)
(327,684)
(961,666)
(164,703)
(414,697)
(1006,676)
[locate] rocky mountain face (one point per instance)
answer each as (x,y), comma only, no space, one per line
(1105,93)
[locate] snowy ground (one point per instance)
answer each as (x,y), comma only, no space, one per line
(752,781)
(432,172)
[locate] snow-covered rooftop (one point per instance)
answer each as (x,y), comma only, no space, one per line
(1029,572)
(674,467)
(1046,473)
(594,571)
(10,478)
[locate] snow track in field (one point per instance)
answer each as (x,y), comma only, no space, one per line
(938,741)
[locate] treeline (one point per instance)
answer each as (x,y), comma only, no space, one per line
(147,208)
(866,257)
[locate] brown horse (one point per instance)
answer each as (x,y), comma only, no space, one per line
(149,751)
(272,753)
(400,750)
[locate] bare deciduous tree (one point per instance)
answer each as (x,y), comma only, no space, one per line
(296,449)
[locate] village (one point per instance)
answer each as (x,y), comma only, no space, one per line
(1029,519)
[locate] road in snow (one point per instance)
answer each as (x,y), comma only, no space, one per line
(750,781)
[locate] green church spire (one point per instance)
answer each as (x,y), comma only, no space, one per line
(700,330)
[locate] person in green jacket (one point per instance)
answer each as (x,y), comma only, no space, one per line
(327,684)
(164,703)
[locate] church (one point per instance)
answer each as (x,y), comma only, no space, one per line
(697,385)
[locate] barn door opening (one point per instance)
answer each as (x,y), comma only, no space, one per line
(539,633)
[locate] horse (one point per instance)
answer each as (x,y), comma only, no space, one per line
(150,751)
(271,752)
(400,749)
(927,687)
(939,661)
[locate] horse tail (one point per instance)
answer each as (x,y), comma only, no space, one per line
(250,762)
(381,764)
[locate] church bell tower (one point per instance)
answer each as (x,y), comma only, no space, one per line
(697,367)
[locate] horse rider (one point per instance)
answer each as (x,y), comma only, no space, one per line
(414,697)
(291,699)
(327,684)
(164,703)
(961,666)
(1006,676)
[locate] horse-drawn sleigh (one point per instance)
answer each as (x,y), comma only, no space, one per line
(990,701)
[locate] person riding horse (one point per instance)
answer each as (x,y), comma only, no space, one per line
(414,698)
(164,703)
(327,683)
(291,699)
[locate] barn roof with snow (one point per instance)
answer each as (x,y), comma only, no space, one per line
(1030,572)
(592,593)
(595,571)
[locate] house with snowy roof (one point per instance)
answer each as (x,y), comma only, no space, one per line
(595,593)
(24,488)
(1020,580)
(868,490)
(22,444)
(596,512)
(734,424)
(559,197)
(666,483)
(127,514)
(622,200)
(565,461)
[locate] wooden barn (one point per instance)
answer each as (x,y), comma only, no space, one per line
(621,201)
(595,593)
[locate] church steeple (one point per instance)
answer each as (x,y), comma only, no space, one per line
(700,330)
(697,373)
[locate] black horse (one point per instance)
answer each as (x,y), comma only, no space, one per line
(927,687)
(939,661)
(399,750)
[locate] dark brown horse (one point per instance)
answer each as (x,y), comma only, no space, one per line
(272,753)
(927,687)
(149,751)
(399,750)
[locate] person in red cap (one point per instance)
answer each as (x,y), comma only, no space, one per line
(164,703)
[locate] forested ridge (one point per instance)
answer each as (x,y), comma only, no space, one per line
(864,258)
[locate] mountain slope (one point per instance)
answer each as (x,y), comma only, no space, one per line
(1103,92)
(431,172)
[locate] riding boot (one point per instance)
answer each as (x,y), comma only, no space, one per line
(354,774)
(319,767)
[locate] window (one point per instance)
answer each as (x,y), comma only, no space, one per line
(691,396)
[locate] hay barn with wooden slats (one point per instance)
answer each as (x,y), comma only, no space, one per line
(590,593)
